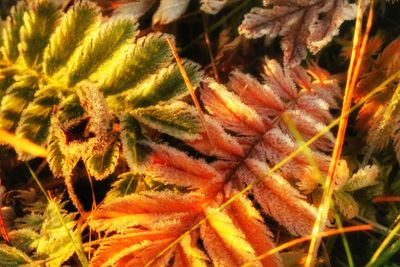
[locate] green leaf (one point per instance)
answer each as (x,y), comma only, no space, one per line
(134,150)
(146,57)
(23,239)
(10,256)
(32,221)
(16,99)
(362,178)
(346,204)
(53,233)
(35,119)
(177,119)
(10,33)
(101,165)
(372,191)
(132,182)
(70,111)
(6,79)
(55,242)
(73,28)
(39,23)
(100,46)
(60,165)
(167,85)
(92,100)
(125,184)
(55,157)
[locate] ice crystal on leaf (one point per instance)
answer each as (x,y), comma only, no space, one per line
(301,24)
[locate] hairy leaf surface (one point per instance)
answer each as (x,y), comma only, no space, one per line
(301,24)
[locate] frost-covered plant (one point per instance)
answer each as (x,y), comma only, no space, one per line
(39,238)
(73,81)
(301,24)
(86,88)
(167,11)
(346,185)
(245,130)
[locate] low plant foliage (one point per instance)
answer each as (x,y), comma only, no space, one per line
(215,177)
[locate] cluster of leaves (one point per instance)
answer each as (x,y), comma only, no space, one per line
(244,129)
(39,237)
(346,186)
(301,24)
(87,88)
(97,74)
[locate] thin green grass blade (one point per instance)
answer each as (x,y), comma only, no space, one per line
(345,242)
(308,153)
(77,243)
(382,255)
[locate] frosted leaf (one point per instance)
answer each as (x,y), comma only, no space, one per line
(278,198)
(134,9)
(301,24)
(362,178)
(170,10)
(346,204)
(212,6)
(230,111)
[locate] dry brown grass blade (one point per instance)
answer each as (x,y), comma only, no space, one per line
(209,49)
(22,144)
(353,72)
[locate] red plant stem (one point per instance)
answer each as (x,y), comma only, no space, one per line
(386,199)
(2,225)
(352,77)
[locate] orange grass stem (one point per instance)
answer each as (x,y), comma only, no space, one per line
(357,228)
(386,199)
(189,86)
(352,76)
